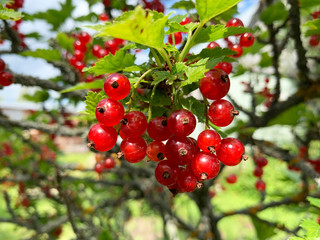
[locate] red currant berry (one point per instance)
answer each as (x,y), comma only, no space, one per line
(2,65)
(6,79)
(166,173)
(246,40)
(187,181)
(106,3)
(103,17)
(237,48)
(102,138)
(78,55)
(109,163)
(195,145)
(79,66)
(316,14)
(25,202)
(231,151)
(225,66)
(109,112)
(117,86)
(119,41)
(261,161)
(158,129)
(212,193)
(102,53)
(81,46)
(212,45)
(215,84)
(314,40)
(258,172)
(180,150)
(260,185)
(185,21)
(111,46)
(232,178)
(134,124)
(96,51)
(99,168)
(57,232)
(84,37)
(177,38)
(122,135)
(181,122)
(209,141)
(205,165)
(221,113)
(133,149)
(234,22)
(156,151)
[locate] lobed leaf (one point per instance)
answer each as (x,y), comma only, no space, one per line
(92,99)
(9,14)
(47,54)
(98,84)
(187,5)
(64,41)
(274,12)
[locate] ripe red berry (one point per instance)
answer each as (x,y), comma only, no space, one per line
(102,138)
(246,40)
(109,112)
(6,78)
(318,219)
(314,40)
(180,150)
(109,163)
(79,65)
(117,86)
(195,145)
(260,185)
(316,14)
(205,165)
(187,181)
(261,161)
(133,149)
(111,46)
(134,124)
(221,113)
(185,21)
(84,37)
(237,48)
(177,38)
(81,46)
(2,65)
(78,55)
(215,85)
(213,45)
(232,178)
(25,202)
(225,66)
(103,17)
(122,135)
(119,41)
(258,172)
(181,122)
(156,151)
(158,129)
(209,141)
(234,22)
(57,232)
(99,168)
(106,3)
(231,151)
(166,173)
(96,50)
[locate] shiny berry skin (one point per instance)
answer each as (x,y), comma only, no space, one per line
(181,122)
(205,165)
(225,66)
(177,38)
(119,41)
(195,145)
(84,37)
(102,138)
(231,179)
(96,50)
(134,124)
(231,151)
(133,149)
(81,46)
(261,161)
(158,129)
(109,163)
(180,150)
(117,86)
(246,40)
(185,21)
(258,172)
(109,112)
(6,79)
(156,151)
(102,53)
(221,113)
(314,40)
(103,17)
(209,141)
(79,65)
(78,55)
(166,173)
(316,14)
(2,65)
(212,45)
(99,168)
(187,181)
(111,46)
(122,135)
(215,85)
(106,3)
(234,22)
(260,185)
(237,48)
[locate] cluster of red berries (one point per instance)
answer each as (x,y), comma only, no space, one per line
(103,163)
(260,162)
(176,38)
(314,40)
(154,5)
(6,78)
(15,4)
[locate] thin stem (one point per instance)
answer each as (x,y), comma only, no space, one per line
(165,57)
(189,43)
(151,101)
(155,55)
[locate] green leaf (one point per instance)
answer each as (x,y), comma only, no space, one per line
(47,54)
(309,3)
(64,41)
(177,18)
(312,228)
(38,97)
(274,12)
(187,5)
(158,111)
(263,230)
(159,99)
(160,76)
(266,60)
(35,35)
(140,26)
(105,235)
(290,116)
(9,14)
(112,63)
(314,26)
(133,68)
(195,106)
(216,52)
(92,99)
(176,27)
(91,17)
(98,84)
(208,9)
(314,201)
(215,32)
